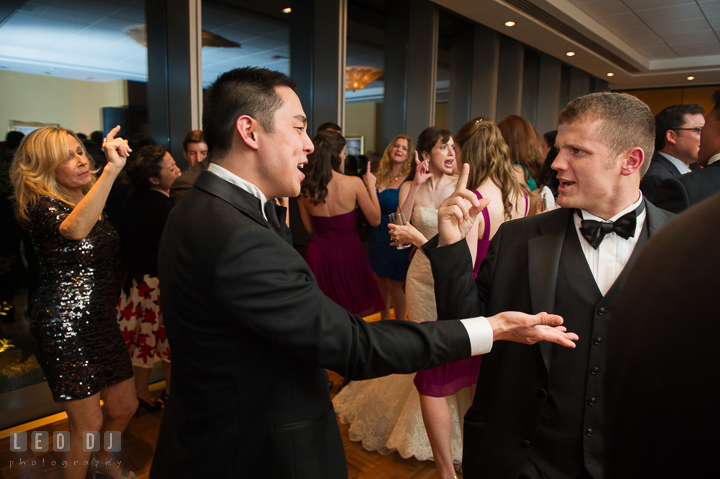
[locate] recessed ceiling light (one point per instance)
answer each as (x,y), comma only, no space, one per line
(610,74)
(690,78)
(510,24)
(287,10)
(570,54)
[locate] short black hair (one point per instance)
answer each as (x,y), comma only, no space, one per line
(672,118)
(328,125)
(242,91)
(194,136)
(550,138)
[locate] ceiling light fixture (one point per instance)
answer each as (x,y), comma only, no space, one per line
(570,54)
(357,78)
(690,78)
(209,39)
(287,10)
(510,24)
(610,74)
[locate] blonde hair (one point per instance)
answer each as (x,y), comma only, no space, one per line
(33,169)
(383,172)
(482,146)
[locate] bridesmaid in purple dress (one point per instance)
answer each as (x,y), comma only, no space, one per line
(480,144)
(328,201)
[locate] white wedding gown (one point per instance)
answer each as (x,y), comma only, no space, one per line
(384,413)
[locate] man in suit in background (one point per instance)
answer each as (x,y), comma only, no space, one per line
(250,330)
(677,141)
(538,411)
(662,387)
(195,151)
(677,194)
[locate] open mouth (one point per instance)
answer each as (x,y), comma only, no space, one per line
(565,184)
(449,164)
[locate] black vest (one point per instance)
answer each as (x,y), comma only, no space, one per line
(570,437)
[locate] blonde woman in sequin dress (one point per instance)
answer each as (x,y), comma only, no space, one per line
(75,336)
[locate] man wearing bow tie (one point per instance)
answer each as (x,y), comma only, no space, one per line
(251,331)
(539,411)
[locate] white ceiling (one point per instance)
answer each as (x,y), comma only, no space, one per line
(664,40)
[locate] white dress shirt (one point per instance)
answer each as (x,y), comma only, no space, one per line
(679,164)
(478,329)
(612,255)
(713,159)
(224,174)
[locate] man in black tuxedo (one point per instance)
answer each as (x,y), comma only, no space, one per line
(662,413)
(538,411)
(677,141)
(251,333)
(677,194)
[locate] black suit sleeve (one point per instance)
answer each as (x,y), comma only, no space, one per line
(277,298)
(672,196)
(457,294)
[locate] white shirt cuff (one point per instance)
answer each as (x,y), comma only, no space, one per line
(480,333)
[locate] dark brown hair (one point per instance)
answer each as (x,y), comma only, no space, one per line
(145,163)
(524,145)
(321,163)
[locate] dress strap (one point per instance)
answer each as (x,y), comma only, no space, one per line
(486,217)
(527,203)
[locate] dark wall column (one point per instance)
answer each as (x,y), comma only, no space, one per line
(317,59)
(510,78)
(549,94)
(174,72)
(486,65)
(579,83)
(410,73)
(531,85)
(461,78)
(598,85)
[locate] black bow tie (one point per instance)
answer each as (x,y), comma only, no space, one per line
(594,231)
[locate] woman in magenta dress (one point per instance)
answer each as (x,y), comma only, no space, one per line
(480,144)
(328,201)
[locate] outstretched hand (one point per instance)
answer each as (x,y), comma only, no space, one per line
(531,329)
(458,212)
(116,149)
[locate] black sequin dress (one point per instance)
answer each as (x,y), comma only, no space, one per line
(75,335)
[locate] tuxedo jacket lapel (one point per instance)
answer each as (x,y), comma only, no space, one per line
(237,197)
(543,262)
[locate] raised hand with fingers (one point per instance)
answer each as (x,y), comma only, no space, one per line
(116,149)
(369,178)
(458,212)
(422,170)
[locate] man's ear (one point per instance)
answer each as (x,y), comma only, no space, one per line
(671,136)
(247,128)
(154,181)
(633,160)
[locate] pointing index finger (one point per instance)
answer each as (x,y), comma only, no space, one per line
(111,134)
(463,179)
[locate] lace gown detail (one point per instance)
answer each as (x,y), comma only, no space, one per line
(384,413)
